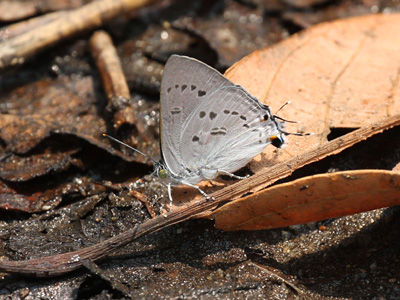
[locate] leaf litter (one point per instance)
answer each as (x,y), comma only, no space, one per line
(243,238)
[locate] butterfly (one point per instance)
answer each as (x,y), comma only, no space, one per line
(209,126)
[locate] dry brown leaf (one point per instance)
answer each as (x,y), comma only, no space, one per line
(337,74)
(21,134)
(43,196)
(17,169)
(36,109)
(311,199)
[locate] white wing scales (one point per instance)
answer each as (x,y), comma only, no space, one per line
(184,86)
(229,132)
(209,125)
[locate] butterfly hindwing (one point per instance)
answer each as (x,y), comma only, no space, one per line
(230,130)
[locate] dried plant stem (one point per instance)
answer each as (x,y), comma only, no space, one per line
(63,263)
(113,78)
(18,49)
(109,65)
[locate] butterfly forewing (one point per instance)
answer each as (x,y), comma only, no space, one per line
(186,83)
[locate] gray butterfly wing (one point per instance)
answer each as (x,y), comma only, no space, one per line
(226,131)
(208,124)
(186,83)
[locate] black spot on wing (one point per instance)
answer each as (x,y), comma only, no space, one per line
(201,93)
(212,115)
(243,118)
(169,90)
(176,86)
(226,111)
(195,138)
(193,87)
(183,87)
(218,131)
(176,111)
(234,113)
(202,114)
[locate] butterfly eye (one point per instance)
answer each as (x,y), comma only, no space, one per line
(277,141)
(162,173)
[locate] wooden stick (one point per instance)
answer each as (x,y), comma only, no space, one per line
(113,78)
(109,65)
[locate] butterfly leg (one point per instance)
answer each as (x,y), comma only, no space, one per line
(170,196)
(233,175)
(188,184)
(196,187)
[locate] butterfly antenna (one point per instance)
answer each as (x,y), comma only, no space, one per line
(288,121)
(282,119)
(297,133)
(130,147)
(282,107)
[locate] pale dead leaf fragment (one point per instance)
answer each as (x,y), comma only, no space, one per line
(310,199)
(340,74)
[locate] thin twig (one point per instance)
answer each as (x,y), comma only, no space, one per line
(109,65)
(273,273)
(113,78)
